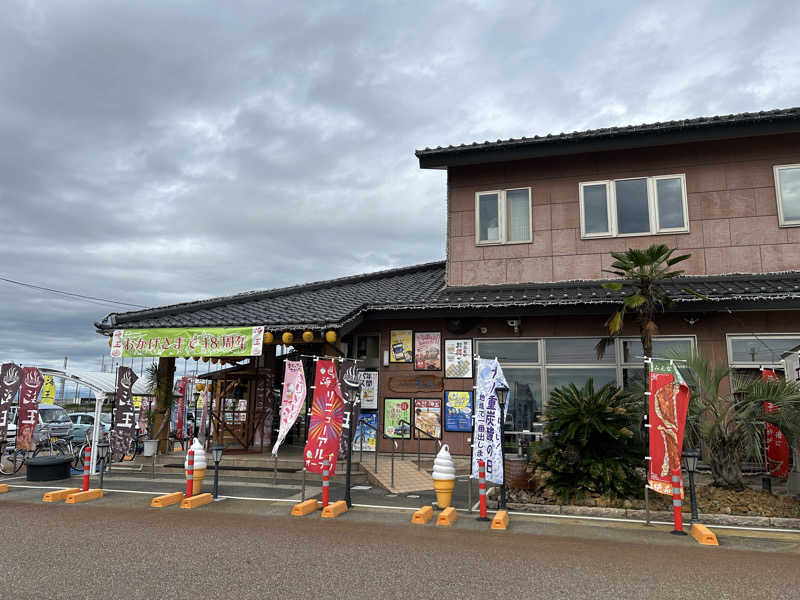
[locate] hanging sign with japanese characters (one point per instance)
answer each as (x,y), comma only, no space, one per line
(669,404)
(124,422)
(778,452)
(10,380)
(292,399)
(488,445)
(327,412)
(200,341)
(32,381)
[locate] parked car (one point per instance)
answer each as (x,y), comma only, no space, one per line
(84,421)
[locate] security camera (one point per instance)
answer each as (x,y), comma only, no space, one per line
(483,330)
(514,323)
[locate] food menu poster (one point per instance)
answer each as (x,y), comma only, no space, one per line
(428,417)
(458,411)
(458,359)
(369,390)
(394,411)
(428,351)
(401,345)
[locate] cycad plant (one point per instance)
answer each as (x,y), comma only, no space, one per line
(589,443)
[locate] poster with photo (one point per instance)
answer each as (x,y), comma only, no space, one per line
(369,390)
(366,438)
(428,417)
(458,411)
(401,346)
(458,359)
(394,411)
(428,351)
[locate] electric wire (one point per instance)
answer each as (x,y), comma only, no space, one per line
(92,299)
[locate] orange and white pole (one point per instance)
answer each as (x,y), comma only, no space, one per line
(325,481)
(677,515)
(190,474)
(482,490)
(87,458)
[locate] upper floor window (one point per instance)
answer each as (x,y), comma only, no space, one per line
(503,216)
(637,206)
(787,189)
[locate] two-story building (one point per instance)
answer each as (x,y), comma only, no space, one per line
(531,223)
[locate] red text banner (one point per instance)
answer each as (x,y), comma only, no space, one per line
(325,427)
(668,406)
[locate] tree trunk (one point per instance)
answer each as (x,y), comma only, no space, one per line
(166,373)
(725,472)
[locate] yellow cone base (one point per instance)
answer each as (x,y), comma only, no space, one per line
(704,535)
(76,497)
(3,488)
(447,517)
(500,521)
(444,491)
(196,501)
(423,515)
(301,509)
(166,500)
(59,495)
(334,509)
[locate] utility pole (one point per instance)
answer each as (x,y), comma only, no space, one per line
(63,380)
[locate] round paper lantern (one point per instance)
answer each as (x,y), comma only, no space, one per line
(196,358)
(287,337)
(308,336)
(205,359)
(199,387)
(268,338)
(214,360)
(330,336)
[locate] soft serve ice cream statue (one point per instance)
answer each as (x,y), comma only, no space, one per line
(444,477)
(199,466)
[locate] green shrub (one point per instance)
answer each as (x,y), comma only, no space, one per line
(590,445)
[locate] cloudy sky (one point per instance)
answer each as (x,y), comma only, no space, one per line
(157,152)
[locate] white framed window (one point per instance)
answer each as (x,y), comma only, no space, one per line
(634,206)
(754,350)
(787,191)
(503,217)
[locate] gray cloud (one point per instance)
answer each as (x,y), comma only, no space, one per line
(161,152)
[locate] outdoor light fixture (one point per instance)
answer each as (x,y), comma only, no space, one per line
(102,454)
(690,463)
(216,454)
(501,391)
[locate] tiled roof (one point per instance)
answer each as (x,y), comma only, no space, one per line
(542,145)
(320,304)
(338,302)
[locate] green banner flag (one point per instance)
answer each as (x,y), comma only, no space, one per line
(200,341)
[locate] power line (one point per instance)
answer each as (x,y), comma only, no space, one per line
(72,294)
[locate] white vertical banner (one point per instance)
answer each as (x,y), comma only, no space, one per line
(487,444)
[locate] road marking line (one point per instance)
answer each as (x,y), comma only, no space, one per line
(4,479)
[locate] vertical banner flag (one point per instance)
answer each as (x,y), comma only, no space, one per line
(10,380)
(32,381)
(292,399)
(122,433)
(668,406)
(486,435)
(327,411)
(350,380)
(180,426)
(204,413)
(48,390)
(778,452)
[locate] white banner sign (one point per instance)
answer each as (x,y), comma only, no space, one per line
(487,444)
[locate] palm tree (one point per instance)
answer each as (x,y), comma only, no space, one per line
(645,271)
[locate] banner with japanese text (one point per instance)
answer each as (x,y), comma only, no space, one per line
(48,390)
(487,445)
(778,451)
(124,423)
(191,342)
(10,381)
(327,412)
(32,381)
(180,425)
(292,399)
(350,384)
(668,406)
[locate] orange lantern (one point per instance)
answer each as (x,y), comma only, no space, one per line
(287,337)
(269,338)
(308,336)
(330,336)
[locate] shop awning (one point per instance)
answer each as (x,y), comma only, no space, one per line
(98,382)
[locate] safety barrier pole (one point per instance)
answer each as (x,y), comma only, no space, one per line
(87,458)
(190,474)
(677,515)
(482,490)
(325,483)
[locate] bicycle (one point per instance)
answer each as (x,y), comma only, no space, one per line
(55,445)
(11,459)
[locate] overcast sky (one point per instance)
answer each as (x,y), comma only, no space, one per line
(158,152)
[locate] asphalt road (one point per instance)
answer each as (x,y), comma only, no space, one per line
(117,548)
